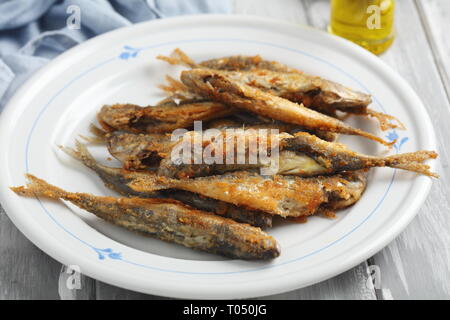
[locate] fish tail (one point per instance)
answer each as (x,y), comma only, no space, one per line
(100,136)
(178,57)
(175,88)
(40,188)
(177,84)
(386,121)
(82,154)
(413,161)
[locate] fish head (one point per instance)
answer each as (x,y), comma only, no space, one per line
(138,151)
(209,83)
(118,116)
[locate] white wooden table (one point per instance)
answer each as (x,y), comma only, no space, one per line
(414,266)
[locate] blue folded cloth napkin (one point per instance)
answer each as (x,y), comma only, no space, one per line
(34,32)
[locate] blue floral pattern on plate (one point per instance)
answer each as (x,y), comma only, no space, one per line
(107,253)
(129,52)
(392,136)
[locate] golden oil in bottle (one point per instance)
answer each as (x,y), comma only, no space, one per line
(369,23)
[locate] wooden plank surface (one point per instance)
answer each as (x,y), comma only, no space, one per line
(415,265)
(435,15)
(25,271)
(351,285)
(28,273)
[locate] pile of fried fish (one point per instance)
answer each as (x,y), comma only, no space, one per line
(223,208)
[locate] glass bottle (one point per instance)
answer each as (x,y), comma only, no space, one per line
(369,23)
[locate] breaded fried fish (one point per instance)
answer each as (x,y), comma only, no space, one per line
(117,179)
(301,154)
(139,151)
(287,196)
(216,86)
(167,220)
(242,119)
(165,117)
(312,91)
(144,151)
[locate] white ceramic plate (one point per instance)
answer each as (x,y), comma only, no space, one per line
(60,101)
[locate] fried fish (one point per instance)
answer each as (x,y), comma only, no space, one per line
(286,196)
(167,220)
(300,154)
(165,117)
(312,91)
(117,179)
(216,86)
(242,118)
